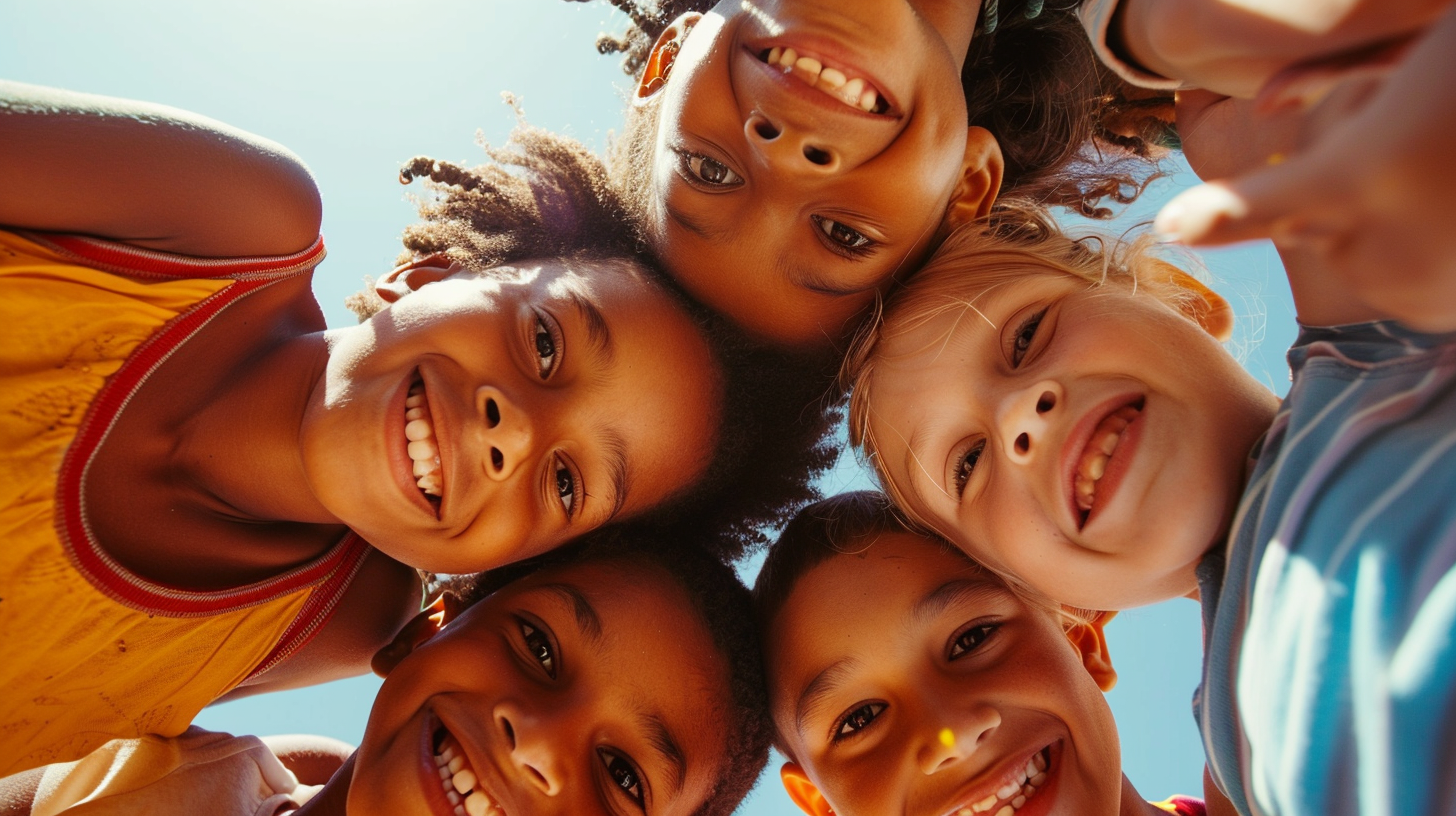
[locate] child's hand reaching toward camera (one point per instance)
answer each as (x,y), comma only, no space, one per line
(1359,187)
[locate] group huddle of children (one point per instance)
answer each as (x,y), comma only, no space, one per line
(517,487)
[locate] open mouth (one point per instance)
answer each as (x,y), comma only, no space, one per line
(1099,450)
(836,81)
(1018,790)
(423,450)
(459,780)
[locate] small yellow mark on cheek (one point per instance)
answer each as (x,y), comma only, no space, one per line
(946,737)
(1275,159)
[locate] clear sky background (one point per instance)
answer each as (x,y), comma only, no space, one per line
(356,87)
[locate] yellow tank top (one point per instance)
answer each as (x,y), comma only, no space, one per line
(88,651)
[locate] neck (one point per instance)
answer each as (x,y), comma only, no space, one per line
(334,798)
(242,444)
(1133,804)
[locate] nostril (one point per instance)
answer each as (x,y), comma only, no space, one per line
(1047,402)
(510,732)
(492,413)
(1023,443)
(765,129)
(817,156)
(497,459)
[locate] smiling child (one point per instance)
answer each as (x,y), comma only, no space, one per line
(788,158)
(206,489)
(904,678)
(530,700)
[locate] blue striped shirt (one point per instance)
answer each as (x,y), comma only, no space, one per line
(1329,669)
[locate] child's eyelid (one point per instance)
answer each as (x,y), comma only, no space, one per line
(558,341)
(957,457)
(605,751)
(578,484)
(835,729)
(525,619)
(1032,317)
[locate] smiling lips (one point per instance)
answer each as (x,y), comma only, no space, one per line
(1099,450)
(424,453)
(1016,792)
(460,781)
(855,92)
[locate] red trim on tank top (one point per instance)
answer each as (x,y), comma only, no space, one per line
(330,573)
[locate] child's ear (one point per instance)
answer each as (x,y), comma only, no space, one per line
(664,54)
(1206,307)
(804,793)
(979,182)
(421,628)
(1089,639)
(409,277)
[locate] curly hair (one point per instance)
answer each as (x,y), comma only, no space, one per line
(722,606)
(544,195)
(1072,132)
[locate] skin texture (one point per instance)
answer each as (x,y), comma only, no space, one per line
(475,339)
(942,681)
(1376,237)
(1004,397)
(752,166)
(550,744)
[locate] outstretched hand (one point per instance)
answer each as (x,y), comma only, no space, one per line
(1368,188)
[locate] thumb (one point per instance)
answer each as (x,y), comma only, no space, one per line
(1280,202)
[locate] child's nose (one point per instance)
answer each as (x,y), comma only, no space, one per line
(787,148)
(531,742)
(508,432)
(1025,419)
(958,735)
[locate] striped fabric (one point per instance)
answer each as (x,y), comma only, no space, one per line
(1330,672)
(1096,18)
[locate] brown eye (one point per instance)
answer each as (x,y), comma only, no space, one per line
(539,647)
(843,237)
(966,465)
(709,172)
(858,719)
(1025,334)
(624,775)
(971,640)
(546,349)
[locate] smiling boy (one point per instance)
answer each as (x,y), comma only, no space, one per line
(905,678)
(532,700)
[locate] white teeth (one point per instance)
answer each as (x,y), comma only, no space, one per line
(453,797)
(463,781)
(1018,802)
(788,58)
(1011,796)
(477,804)
(1099,450)
(852,90)
(459,783)
(424,452)
(1041,764)
(774,54)
(1036,781)
(456,764)
(1008,790)
(832,78)
(1030,770)
(810,66)
(1006,811)
(984,804)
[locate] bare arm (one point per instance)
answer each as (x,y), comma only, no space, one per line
(313,759)
(1235,46)
(150,175)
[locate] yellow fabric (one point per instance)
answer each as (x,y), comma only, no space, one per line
(78,668)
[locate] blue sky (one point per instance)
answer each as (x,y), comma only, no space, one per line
(358,86)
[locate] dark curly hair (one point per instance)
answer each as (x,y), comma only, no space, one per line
(544,195)
(1073,134)
(722,606)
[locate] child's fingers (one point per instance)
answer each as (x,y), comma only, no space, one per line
(1284,201)
(1307,84)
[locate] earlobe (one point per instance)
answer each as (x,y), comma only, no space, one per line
(420,629)
(409,277)
(979,182)
(663,56)
(804,793)
(1206,307)
(1090,640)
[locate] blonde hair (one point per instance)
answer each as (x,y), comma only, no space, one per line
(981,257)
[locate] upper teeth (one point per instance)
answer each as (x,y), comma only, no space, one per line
(1099,449)
(854,92)
(1015,792)
(419,429)
(459,781)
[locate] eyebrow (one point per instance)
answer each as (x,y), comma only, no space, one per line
(659,736)
(586,616)
(810,279)
(814,695)
(598,333)
(614,448)
(967,591)
(696,227)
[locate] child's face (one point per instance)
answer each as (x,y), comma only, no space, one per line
(556,398)
(778,203)
(906,680)
(541,688)
(1090,441)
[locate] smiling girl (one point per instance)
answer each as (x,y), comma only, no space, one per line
(205,488)
(788,158)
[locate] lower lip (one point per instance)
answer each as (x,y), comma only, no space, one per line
(434,791)
(400,464)
(1117,466)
